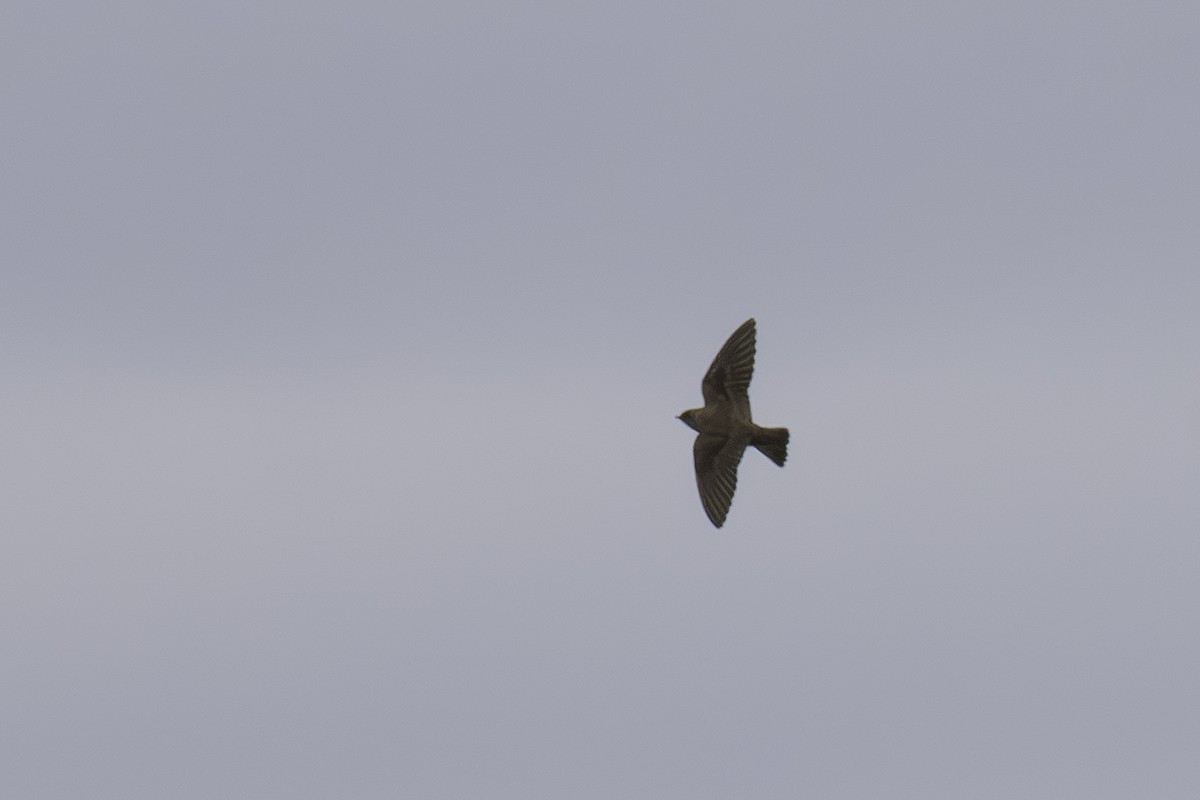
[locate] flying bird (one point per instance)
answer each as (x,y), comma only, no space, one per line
(725,426)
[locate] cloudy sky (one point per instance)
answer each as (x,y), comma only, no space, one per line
(342,345)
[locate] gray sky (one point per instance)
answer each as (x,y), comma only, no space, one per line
(342,345)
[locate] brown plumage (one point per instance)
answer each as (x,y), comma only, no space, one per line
(725,426)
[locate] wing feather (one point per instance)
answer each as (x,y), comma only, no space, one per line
(728,377)
(717,458)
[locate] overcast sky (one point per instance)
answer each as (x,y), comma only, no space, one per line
(342,344)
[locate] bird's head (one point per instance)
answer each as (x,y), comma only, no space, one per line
(689,418)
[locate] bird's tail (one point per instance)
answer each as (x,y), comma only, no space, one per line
(772,443)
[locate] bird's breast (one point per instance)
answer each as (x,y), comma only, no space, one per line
(716,417)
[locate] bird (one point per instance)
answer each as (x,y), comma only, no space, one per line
(724,425)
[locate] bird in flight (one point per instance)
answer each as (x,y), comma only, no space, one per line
(725,427)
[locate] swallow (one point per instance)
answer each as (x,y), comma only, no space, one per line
(725,426)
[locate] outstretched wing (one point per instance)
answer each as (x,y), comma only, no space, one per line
(717,458)
(728,377)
